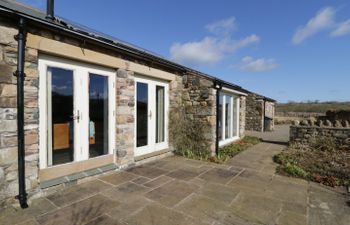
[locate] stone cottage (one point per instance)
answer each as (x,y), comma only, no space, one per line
(260,113)
(74,103)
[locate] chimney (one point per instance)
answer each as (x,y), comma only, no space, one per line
(50,10)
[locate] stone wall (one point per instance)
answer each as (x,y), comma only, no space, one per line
(308,131)
(254,113)
(199,100)
(8,115)
(125,117)
(242,115)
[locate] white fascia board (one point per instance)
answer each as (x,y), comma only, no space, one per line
(234,91)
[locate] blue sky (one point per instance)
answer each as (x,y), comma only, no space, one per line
(287,50)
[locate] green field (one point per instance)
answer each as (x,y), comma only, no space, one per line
(316,107)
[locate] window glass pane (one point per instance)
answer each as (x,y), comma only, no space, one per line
(159,114)
(228,115)
(235,117)
(221,97)
(142,114)
(60,116)
(98,115)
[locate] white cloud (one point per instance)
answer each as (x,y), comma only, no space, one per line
(341,29)
(250,64)
(209,50)
(323,20)
(222,27)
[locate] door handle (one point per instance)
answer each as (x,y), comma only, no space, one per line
(150,114)
(76,117)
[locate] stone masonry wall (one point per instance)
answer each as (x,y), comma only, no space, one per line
(254,113)
(307,132)
(8,115)
(125,117)
(199,100)
(242,116)
(175,99)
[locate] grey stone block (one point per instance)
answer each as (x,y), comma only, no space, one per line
(108,167)
(53,182)
(92,172)
(76,176)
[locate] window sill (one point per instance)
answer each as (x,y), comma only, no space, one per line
(228,141)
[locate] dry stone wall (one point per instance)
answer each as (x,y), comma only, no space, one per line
(307,131)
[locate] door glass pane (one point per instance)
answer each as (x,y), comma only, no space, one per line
(221,97)
(60,116)
(235,117)
(142,114)
(98,114)
(228,112)
(159,114)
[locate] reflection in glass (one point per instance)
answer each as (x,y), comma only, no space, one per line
(60,116)
(142,114)
(220,116)
(159,114)
(228,121)
(98,114)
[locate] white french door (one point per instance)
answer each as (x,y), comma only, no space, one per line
(77,111)
(151,127)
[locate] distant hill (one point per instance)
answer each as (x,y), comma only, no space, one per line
(312,107)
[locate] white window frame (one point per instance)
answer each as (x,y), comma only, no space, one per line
(81,74)
(224,140)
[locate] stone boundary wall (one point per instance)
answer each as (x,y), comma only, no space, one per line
(298,114)
(308,131)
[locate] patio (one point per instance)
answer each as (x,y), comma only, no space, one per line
(178,191)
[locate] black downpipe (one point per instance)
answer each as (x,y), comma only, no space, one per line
(50,10)
(21,39)
(218,88)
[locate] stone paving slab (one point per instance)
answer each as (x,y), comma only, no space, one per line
(219,175)
(205,209)
(174,190)
(156,214)
(118,178)
(78,213)
(147,171)
(77,192)
(171,193)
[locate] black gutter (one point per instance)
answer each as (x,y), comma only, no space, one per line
(21,39)
(218,87)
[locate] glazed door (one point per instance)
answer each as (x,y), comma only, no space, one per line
(63,115)
(151,116)
(78,111)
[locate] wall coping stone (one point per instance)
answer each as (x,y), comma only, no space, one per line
(318,127)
